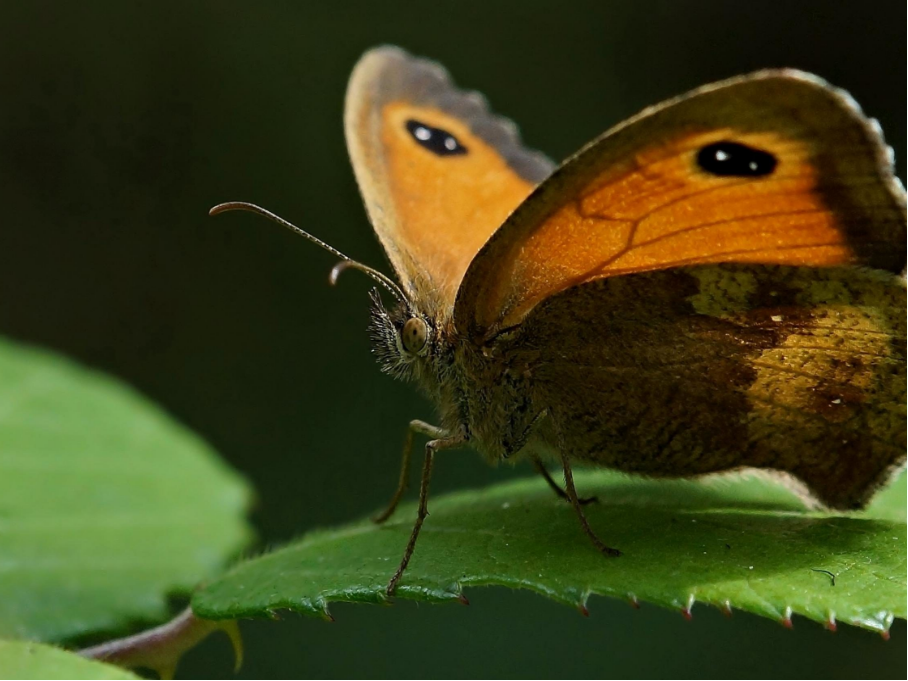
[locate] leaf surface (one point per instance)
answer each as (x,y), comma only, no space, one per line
(29,660)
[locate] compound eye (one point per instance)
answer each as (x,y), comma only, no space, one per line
(414,335)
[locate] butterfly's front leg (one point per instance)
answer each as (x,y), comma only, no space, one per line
(415,426)
(446,440)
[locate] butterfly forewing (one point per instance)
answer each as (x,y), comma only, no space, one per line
(439,173)
(774,168)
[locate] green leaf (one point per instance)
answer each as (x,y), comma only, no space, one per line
(737,542)
(106,504)
(27,660)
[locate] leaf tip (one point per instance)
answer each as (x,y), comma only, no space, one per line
(632,600)
(726,608)
(786,619)
(830,623)
(581,607)
(463,600)
(686,610)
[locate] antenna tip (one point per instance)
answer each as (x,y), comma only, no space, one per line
(336,271)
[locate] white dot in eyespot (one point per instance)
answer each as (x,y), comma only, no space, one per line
(721,155)
(450,143)
(753,166)
(422,134)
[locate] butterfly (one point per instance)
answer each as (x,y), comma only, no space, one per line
(716,283)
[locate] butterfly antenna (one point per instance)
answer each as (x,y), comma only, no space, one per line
(346,262)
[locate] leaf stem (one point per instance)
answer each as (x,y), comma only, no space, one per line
(162,647)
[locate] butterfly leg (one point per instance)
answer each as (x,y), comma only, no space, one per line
(446,442)
(414,427)
(578,508)
(543,471)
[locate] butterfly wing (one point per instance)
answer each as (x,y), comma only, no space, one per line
(700,369)
(438,172)
(776,167)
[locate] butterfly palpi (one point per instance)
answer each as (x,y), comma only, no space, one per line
(716,283)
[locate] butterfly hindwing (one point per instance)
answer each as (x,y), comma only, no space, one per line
(694,370)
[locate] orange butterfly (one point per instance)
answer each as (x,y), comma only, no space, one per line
(713,284)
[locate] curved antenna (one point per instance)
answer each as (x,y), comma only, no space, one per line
(346,263)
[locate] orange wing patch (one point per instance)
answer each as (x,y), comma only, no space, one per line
(811,186)
(663,214)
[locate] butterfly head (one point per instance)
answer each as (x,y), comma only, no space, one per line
(402,338)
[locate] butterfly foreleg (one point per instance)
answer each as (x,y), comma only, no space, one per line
(445,441)
(543,471)
(571,493)
(415,426)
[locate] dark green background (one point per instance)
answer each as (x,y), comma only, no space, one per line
(122,123)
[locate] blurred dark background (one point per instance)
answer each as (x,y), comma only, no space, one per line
(122,123)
